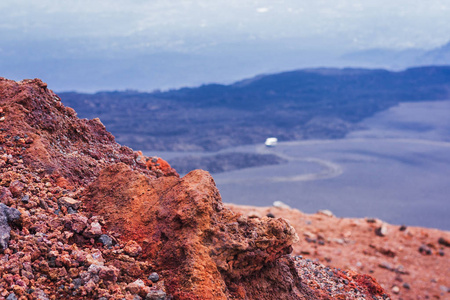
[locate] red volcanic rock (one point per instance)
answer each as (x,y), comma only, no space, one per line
(394,260)
(202,248)
(96,219)
(156,164)
(51,140)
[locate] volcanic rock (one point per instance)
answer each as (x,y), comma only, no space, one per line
(69,202)
(444,242)
(86,191)
(7,215)
(393,259)
(182,225)
(154,277)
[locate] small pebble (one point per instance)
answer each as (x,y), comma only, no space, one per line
(406,286)
(280,204)
(69,202)
(71,210)
(156,295)
(11,296)
(154,277)
(326,212)
(402,228)
(25,199)
(444,242)
(382,230)
(270,215)
(77,283)
(105,240)
(425,250)
(395,289)
(444,289)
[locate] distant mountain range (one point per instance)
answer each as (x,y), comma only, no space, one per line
(67,65)
(400,59)
(303,104)
(438,56)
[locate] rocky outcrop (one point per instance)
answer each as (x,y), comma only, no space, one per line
(99,220)
(204,249)
(51,140)
(406,261)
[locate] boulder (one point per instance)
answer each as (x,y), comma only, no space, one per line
(203,249)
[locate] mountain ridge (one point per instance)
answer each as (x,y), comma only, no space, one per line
(287,105)
(399,59)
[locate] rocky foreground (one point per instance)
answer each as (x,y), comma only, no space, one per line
(408,262)
(82,217)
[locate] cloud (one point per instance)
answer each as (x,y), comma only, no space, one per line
(374,23)
(262,10)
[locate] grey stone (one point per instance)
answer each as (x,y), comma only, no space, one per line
(154,277)
(40,295)
(156,295)
(11,296)
(7,215)
(25,199)
(105,240)
(77,282)
(12,214)
(71,210)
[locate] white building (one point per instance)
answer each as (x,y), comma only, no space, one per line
(271,142)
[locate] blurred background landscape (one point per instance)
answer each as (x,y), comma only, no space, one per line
(357,93)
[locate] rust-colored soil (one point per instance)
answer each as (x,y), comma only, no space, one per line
(395,259)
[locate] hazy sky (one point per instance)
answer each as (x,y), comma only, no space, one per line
(146,44)
(188,25)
